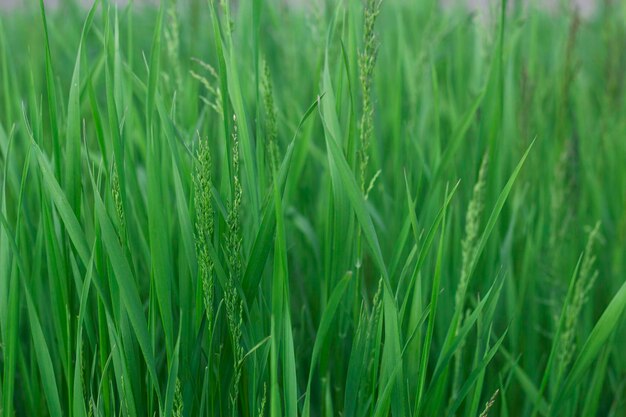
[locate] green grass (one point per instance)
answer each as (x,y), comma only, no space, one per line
(348,209)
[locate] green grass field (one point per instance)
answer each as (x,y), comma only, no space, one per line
(344,209)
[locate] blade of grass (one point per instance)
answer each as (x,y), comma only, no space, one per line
(327,318)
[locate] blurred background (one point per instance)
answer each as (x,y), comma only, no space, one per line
(584,7)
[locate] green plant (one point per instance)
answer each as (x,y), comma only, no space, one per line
(366,208)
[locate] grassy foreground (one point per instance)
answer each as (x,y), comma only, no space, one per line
(361,209)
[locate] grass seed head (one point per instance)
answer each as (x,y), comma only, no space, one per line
(472,226)
(270,117)
(204,224)
(261,412)
(210,82)
(234,306)
(367,61)
(117,200)
(490,404)
(92,408)
(583,286)
(178,399)
(561,192)
(468,250)
(234,214)
(172,43)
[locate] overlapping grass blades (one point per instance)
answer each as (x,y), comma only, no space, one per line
(296,233)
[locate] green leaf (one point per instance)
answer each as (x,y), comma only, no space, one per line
(322,332)
(126,283)
(63,206)
(264,237)
(78,402)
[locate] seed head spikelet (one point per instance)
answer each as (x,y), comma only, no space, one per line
(270,117)
(234,306)
(561,191)
(92,408)
(370,335)
(234,221)
(125,395)
(263,401)
(117,200)
(489,404)
(178,399)
(367,61)
(472,226)
(172,43)
(582,287)
(210,82)
(230,23)
(468,250)
(204,225)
